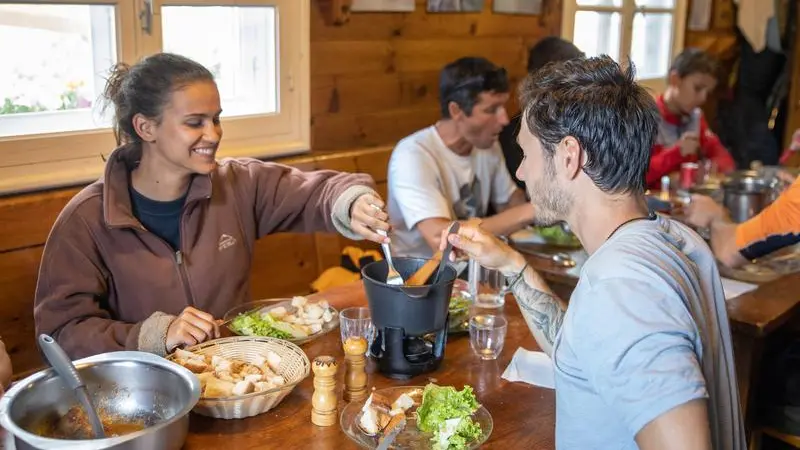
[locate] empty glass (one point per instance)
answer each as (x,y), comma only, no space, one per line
(357,321)
(487,334)
(486,286)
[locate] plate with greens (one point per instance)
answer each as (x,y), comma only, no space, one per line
(553,235)
(437,418)
(298,319)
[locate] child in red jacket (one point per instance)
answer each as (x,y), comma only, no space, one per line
(684,135)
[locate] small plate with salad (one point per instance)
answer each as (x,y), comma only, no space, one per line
(553,235)
(436,418)
(297,320)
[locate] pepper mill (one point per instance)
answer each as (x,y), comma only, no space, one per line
(323,402)
(355,379)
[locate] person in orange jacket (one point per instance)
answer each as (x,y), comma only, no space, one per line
(683,134)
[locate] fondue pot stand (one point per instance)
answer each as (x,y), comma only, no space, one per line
(410,323)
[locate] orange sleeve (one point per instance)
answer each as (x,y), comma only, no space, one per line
(776,226)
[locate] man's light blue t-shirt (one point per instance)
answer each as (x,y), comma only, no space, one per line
(646,331)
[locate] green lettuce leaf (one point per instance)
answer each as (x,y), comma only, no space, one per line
(442,403)
(256,324)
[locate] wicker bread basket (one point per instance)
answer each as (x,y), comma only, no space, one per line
(294,368)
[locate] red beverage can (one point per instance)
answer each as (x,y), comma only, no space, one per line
(688,174)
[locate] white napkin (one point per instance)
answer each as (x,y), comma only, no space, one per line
(735,288)
(534,368)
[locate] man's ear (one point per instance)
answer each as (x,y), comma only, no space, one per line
(145,128)
(571,156)
(454,110)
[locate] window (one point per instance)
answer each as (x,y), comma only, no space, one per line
(649,32)
(57,54)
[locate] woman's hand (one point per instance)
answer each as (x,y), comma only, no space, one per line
(485,248)
(190,328)
(367,216)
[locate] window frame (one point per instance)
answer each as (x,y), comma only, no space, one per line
(53,160)
(628,11)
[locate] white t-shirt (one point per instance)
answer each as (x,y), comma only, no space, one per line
(427,180)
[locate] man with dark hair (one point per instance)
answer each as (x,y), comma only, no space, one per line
(643,355)
(454,170)
(547,50)
(684,135)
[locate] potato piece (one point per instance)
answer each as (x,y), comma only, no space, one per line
(221,364)
(274,360)
(313,312)
(254,378)
(315,328)
(262,386)
(248,369)
(243,388)
(279,312)
(186,355)
(299,301)
(323,304)
(259,360)
(327,316)
(195,366)
(224,375)
(216,388)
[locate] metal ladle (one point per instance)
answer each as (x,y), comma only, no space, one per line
(63,366)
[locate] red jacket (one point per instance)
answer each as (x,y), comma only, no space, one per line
(666,157)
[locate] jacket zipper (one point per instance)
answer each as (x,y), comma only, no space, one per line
(180,267)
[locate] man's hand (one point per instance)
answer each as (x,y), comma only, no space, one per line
(489,251)
(702,211)
(689,143)
(367,216)
(5,368)
(190,328)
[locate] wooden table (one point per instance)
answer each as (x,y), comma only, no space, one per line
(753,316)
(524,415)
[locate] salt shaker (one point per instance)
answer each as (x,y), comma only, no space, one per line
(323,402)
(355,379)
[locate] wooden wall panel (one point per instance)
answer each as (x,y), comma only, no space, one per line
(375,78)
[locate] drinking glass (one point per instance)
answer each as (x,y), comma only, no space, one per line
(486,286)
(487,334)
(357,322)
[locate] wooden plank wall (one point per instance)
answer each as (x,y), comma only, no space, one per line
(374,80)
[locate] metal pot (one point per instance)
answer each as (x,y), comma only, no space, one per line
(132,385)
(746,193)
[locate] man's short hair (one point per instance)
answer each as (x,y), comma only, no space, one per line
(463,80)
(550,49)
(614,119)
(694,60)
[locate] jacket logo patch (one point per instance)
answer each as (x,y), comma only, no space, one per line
(225,241)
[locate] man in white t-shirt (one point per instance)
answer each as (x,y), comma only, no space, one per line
(455,170)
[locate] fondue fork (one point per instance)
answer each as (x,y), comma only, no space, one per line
(393,277)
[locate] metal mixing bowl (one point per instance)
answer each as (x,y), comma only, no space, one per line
(127,385)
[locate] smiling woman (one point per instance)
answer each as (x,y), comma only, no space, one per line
(160,247)
(52,129)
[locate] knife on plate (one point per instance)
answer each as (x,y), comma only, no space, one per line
(393,428)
